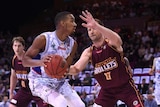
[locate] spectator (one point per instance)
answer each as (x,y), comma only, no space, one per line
(2,88)
(87,81)
(150,101)
(143,87)
(77,81)
(5,102)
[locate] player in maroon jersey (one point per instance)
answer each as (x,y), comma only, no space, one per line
(19,73)
(110,70)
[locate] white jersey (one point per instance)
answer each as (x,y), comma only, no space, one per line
(54,46)
(56,92)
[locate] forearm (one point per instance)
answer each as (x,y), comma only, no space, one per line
(109,34)
(73,70)
(13,83)
(31,63)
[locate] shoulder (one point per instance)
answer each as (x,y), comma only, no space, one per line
(14,57)
(40,39)
(39,43)
(87,51)
(13,60)
(44,35)
(71,38)
(47,33)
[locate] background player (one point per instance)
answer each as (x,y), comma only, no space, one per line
(19,73)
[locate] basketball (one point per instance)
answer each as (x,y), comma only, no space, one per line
(57,67)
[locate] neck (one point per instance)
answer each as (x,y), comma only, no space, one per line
(20,56)
(61,36)
(98,43)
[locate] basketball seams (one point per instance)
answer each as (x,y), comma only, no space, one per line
(59,62)
(55,67)
(65,66)
(52,68)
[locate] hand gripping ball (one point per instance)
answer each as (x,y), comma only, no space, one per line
(57,67)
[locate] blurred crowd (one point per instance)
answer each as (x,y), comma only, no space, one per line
(140,45)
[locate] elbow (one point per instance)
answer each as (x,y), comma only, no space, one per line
(119,40)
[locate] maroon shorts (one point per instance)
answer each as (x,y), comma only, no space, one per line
(24,96)
(127,93)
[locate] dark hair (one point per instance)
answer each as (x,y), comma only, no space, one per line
(19,39)
(99,21)
(60,16)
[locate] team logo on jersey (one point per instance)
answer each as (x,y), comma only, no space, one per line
(53,45)
(135,103)
(54,48)
(13,101)
(105,65)
(22,76)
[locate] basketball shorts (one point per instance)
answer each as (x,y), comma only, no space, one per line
(23,98)
(127,93)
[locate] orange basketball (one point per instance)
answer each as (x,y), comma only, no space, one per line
(57,67)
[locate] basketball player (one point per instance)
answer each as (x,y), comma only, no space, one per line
(56,92)
(19,73)
(156,70)
(106,55)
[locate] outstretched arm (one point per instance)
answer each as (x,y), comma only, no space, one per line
(81,63)
(113,37)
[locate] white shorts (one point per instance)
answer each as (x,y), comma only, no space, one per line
(56,92)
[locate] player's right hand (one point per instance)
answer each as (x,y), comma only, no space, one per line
(46,59)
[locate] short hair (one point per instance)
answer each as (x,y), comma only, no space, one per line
(60,16)
(99,21)
(19,39)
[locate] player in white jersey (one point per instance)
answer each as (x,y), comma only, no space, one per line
(156,70)
(56,92)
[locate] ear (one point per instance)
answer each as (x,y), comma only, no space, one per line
(62,23)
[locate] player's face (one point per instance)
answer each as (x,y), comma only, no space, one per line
(17,47)
(70,24)
(94,35)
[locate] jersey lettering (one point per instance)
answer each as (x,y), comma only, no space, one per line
(106,65)
(22,76)
(108,75)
